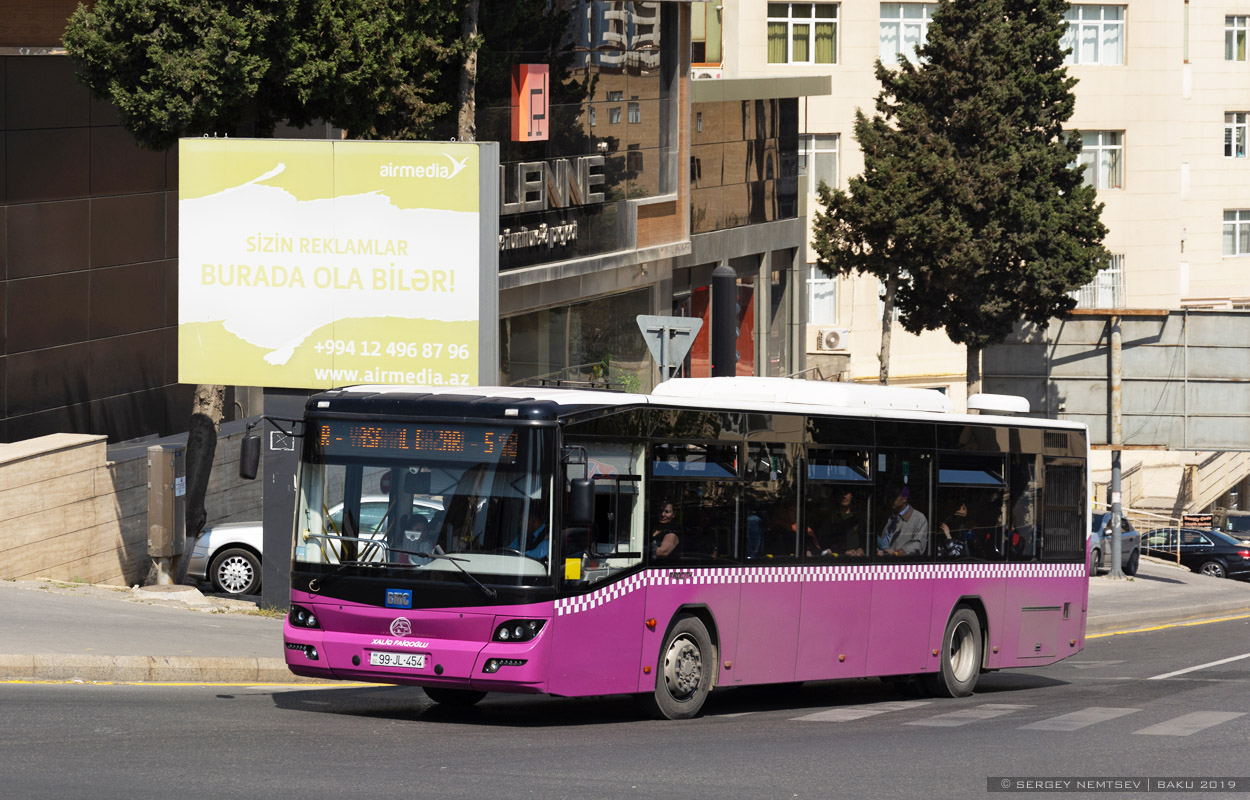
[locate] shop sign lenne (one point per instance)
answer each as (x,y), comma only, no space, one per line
(558,183)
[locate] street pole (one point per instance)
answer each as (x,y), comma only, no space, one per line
(724,321)
(1116,442)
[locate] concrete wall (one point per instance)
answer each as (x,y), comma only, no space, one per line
(69,512)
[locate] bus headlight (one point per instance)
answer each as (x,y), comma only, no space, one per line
(301,617)
(518,630)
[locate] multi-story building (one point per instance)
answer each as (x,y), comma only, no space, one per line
(1163,103)
(641,186)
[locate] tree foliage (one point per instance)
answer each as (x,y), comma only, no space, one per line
(970,202)
(183,67)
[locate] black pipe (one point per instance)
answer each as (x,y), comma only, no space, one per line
(724,321)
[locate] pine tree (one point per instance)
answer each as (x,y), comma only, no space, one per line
(970,208)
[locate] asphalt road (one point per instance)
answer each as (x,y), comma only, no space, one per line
(1113,711)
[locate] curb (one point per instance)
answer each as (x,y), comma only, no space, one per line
(149,669)
(1137,620)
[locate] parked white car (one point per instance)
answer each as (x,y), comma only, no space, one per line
(229,555)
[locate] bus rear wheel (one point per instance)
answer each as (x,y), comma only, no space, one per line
(684,673)
(960,655)
(453,697)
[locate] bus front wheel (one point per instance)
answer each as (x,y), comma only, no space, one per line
(684,676)
(453,697)
(961,656)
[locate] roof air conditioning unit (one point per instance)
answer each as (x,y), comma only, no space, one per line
(831,339)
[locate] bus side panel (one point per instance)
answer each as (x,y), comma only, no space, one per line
(768,631)
(1036,631)
(947,594)
(596,641)
(713,589)
(834,621)
(901,610)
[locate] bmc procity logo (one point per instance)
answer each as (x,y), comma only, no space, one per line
(401,627)
(433,169)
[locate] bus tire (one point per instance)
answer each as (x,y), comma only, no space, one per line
(960,656)
(461,698)
(684,671)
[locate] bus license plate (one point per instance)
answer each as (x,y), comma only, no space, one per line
(406,660)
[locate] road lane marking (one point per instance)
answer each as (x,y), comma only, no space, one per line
(1190,723)
(1165,627)
(956,718)
(1079,719)
(1200,666)
(850,713)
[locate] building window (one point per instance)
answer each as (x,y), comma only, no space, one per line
(705,33)
(802,33)
(1235,38)
(1106,290)
(615,96)
(818,159)
(1095,35)
(1102,157)
(635,113)
(1235,134)
(614,115)
(904,27)
(592,118)
(1237,232)
(822,297)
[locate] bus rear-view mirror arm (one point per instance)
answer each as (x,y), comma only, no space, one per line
(249,448)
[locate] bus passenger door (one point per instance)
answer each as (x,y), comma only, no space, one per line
(599,628)
(768,615)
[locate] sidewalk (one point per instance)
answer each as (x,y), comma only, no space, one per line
(52,630)
(1161,593)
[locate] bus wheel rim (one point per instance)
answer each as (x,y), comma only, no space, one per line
(963,652)
(683,667)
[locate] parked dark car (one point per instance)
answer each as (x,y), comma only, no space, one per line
(1207,551)
(1233,523)
(1100,545)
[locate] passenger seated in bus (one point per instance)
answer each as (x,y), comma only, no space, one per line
(906,533)
(956,532)
(667,534)
(841,533)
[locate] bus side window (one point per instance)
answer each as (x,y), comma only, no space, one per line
(614,539)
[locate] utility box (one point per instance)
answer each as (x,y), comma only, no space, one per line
(167,491)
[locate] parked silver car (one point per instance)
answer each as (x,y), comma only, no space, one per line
(1100,545)
(229,555)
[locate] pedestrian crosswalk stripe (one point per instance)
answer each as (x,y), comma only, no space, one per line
(850,713)
(1186,724)
(956,718)
(1079,719)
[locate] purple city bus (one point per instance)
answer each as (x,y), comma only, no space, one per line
(717,532)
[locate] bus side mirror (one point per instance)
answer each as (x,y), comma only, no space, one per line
(581,502)
(249,456)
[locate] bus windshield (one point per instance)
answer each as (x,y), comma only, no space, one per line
(427,498)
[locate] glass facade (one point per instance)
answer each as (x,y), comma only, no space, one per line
(744,163)
(593,343)
(611,118)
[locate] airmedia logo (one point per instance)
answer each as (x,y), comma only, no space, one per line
(433,169)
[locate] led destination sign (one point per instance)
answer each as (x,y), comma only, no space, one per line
(433,442)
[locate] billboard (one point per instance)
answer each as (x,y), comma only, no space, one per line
(315,264)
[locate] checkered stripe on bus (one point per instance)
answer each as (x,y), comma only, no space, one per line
(728,576)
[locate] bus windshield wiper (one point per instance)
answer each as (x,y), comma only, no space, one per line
(486,590)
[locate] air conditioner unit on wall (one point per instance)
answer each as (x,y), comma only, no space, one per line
(831,339)
(704,73)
